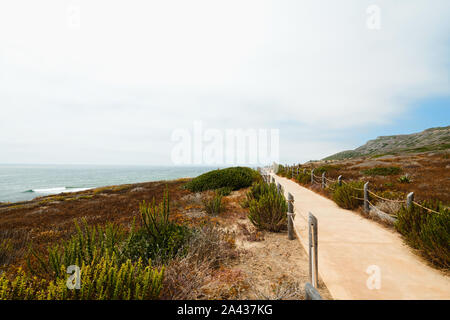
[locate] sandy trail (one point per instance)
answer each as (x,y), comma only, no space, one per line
(349,245)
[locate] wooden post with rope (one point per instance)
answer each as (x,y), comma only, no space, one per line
(409,200)
(290,217)
(313,250)
(366,197)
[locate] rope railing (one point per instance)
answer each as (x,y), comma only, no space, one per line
(375,207)
(323,180)
(381,214)
(358,189)
(293,224)
(316,176)
(385,199)
(430,210)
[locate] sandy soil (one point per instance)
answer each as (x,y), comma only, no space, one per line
(273,266)
(276,268)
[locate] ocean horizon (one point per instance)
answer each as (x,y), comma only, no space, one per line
(22,182)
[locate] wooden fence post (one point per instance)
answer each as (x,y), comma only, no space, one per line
(409,200)
(340,180)
(312,176)
(304,171)
(290,216)
(323,180)
(297,171)
(313,258)
(279,188)
(366,197)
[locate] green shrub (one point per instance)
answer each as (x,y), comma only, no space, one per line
(267,210)
(345,195)
(159,238)
(88,245)
(257,190)
(427,231)
(234,178)
(213,205)
(282,170)
(404,179)
(325,168)
(225,191)
(304,178)
(101,280)
(382,171)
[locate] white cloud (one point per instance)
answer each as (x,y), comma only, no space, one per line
(112,91)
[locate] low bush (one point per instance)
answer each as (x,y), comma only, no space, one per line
(104,279)
(281,170)
(225,191)
(234,178)
(427,231)
(404,179)
(88,245)
(213,204)
(304,178)
(346,195)
(325,168)
(382,171)
(159,238)
(267,208)
(288,174)
(257,190)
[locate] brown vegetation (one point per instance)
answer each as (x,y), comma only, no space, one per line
(227,259)
(428,173)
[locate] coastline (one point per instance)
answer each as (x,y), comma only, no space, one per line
(73,195)
(249,266)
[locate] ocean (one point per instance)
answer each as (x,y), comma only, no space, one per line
(26,182)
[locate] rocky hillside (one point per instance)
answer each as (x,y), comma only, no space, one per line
(428,140)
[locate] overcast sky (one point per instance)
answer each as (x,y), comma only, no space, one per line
(107,82)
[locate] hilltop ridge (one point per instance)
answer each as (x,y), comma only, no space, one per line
(432,139)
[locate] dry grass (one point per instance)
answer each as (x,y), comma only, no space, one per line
(54,221)
(227,258)
(186,275)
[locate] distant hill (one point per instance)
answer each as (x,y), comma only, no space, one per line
(428,140)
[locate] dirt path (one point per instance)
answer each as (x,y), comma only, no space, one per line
(359,259)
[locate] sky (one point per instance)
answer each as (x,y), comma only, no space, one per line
(109,82)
